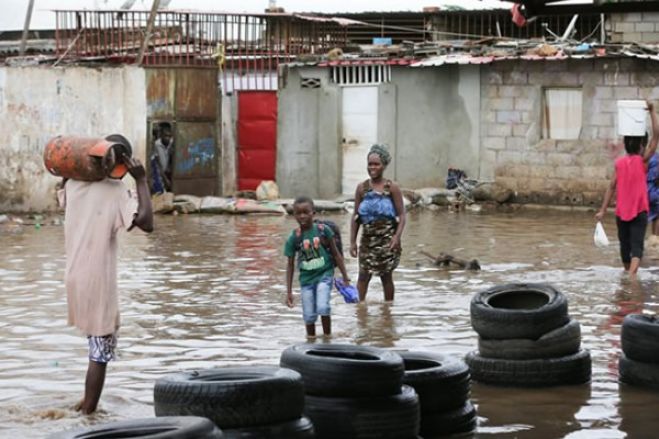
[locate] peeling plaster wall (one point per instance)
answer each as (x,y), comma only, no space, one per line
(549,171)
(38,103)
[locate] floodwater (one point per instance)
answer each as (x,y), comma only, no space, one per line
(206,291)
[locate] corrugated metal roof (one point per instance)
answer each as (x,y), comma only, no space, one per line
(441,60)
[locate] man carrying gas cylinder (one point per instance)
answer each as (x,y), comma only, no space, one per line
(97,206)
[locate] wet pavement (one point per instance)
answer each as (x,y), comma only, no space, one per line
(205,291)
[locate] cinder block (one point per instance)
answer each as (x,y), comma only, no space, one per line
(560,159)
(624,27)
(594,172)
(509,117)
(645,79)
(536,158)
(546,145)
(516,143)
(632,17)
(568,172)
(521,130)
(509,157)
(494,143)
(630,37)
(516,78)
(499,130)
(649,37)
(568,146)
(643,27)
(494,77)
(529,116)
(489,116)
(616,79)
(625,92)
(563,79)
(603,93)
(605,133)
(509,91)
(492,91)
(525,104)
(602,119)
(501,104)
(650,17)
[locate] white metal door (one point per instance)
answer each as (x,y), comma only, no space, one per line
(360,130)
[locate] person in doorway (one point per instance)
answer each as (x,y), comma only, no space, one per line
(380,212)
(313,243)
(162,160)
(632,206)
(94,213)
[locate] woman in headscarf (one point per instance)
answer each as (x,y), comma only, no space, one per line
(380,212)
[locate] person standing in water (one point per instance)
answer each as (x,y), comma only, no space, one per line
(380,213)
(632,205)
(95,211)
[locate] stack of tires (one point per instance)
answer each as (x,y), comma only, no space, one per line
(354,392)
(443,385)
(526,338)
(244,402)
(184,427)
(639,364)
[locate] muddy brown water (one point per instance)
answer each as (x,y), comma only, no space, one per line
(206,291)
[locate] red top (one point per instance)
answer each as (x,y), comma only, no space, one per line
(632,188)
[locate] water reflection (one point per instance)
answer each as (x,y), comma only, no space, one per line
(551,410)
(375,325)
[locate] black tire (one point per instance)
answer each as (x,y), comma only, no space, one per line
(188,427)
(461,420)
(518,311)
(299,429)
(232,397)
(442,382)
(383,417)
(637,373)
(640,338)
(338,370)
(560,342)
(571,369)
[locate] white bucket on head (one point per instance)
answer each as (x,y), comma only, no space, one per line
(632,118)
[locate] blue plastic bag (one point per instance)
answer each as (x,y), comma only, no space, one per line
(348,292)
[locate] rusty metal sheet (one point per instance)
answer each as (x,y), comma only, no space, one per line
(195,155)
(160,93)
(196,94)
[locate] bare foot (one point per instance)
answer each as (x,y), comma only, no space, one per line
(78,405)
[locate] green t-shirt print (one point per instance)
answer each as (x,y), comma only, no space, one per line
(314,259)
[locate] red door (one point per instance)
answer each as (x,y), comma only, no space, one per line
(257,138)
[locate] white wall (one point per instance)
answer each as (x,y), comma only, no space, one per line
(38,103)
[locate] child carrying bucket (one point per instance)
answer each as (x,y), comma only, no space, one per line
(632,206)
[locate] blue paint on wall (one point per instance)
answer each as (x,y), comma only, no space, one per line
(198,154)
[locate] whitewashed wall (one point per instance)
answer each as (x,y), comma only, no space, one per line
(38,103)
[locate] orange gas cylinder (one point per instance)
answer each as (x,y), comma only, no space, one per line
(87,159)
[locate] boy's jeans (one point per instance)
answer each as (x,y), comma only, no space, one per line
(316,300)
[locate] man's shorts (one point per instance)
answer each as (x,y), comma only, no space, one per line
(101,349)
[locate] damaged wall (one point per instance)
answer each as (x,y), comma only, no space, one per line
(37,104)
(428,117)
(555,171)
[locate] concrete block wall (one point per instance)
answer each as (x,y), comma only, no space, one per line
(641,27)
(550,171)
(39,103)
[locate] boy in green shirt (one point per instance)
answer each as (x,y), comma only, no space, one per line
(313,243)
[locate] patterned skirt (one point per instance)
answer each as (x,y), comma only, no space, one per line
(374,253)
